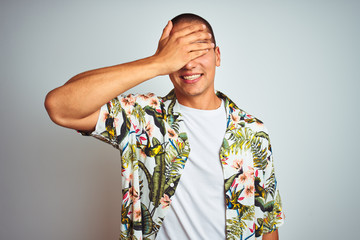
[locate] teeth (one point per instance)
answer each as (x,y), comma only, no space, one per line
(192,77)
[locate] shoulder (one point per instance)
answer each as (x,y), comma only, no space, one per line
(130,101)
(240,116)
(142,99)
(245,124)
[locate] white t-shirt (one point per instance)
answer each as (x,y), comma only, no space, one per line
(197,210)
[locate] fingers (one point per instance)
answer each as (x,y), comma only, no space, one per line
(197,37)
(193,28)
(166,31)
(198,53)
(198,46)
(192,34)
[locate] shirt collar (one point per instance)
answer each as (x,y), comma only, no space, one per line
(171,96)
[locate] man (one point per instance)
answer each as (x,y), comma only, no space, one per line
(194,166)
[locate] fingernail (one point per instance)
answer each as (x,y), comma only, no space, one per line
(209,34)
(204,26)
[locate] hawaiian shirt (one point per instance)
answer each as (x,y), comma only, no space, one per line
(149,132)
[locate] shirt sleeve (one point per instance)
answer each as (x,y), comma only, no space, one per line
(275,217)
(113,124)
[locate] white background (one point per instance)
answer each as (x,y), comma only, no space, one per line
(293,64)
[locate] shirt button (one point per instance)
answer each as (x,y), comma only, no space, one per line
(171,184)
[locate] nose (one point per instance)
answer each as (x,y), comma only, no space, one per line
(190,65)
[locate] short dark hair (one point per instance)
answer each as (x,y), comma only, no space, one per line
(190,17)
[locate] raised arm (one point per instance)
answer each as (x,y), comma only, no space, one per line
(76,104)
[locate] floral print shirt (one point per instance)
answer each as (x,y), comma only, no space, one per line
(149,132)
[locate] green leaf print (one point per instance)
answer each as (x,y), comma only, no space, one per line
(264,206)
(147,224)
(262,135)
(158,178)
(260,197)
(171,106)
(129,158)
(183,136)
(116,107)
(139,113)
(271,218)
(225,144)
(170,190)
(270,184)
(236,225)
(241,138)
(147,173)
(125,127)
(158,118)
(230,180)
(260,155)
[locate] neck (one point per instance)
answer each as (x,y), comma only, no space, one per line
(207,102)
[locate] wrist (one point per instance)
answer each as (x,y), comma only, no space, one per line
(158,65)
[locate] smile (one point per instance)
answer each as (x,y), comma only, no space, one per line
(191,77)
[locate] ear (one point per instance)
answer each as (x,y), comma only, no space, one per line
(217,56)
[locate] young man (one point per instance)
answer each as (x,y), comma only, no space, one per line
(194,165)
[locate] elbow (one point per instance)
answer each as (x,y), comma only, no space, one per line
(52,107)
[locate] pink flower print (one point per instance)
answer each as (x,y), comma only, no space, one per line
(146,96)
(130,178)
(134,196)
(149,128)
(237,163)
(242,178)
(249,190)
(250,174)
(128,101)
(104,116)
(172,133)
(165,201)
(143,97)
(235,118)
(137,214)
(116,121)
(154,102)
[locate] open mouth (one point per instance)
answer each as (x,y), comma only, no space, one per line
(191,77)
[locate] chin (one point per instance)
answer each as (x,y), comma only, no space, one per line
(191,92)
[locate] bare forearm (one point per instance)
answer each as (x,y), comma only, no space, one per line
(86,92)
(271,236)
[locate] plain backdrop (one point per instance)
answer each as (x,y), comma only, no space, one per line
(292,64)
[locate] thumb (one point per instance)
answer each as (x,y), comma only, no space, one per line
(166,31)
